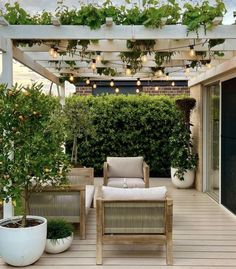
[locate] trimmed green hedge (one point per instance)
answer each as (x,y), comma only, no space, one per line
(128,126)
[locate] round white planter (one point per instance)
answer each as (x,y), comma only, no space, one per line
(58,245)
(188,179)
(22,246)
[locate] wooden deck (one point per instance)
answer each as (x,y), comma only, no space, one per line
(204,236)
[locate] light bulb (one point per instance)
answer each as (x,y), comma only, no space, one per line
(71,78)
(128,71)
(192,51)
(159,73)
(87,81)
(98,57)
(208,64)
(112,83)
(117,90)
(167,76)
(138,82)
(187,69)
(51,51)
(94,85)
(172,83)
(55,54)
(156,88)
(137,90)
(144,58)
(93,65)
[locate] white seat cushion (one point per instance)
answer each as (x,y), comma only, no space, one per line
(155,193)
(89,194)
(125,166)
(131,182)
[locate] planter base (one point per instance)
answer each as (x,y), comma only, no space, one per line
(183,184)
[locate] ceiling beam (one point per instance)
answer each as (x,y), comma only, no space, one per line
(27,61)
(114,32)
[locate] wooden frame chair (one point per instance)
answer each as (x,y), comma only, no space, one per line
(116,225)
(121,174)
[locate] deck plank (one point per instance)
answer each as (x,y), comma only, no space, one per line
(204,237)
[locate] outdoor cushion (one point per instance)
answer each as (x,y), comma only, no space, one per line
(155,193)
(125,167)
(89,193)
(131,182)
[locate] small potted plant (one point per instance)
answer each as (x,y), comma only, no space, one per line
(183,159)
(32,133)
(59,236)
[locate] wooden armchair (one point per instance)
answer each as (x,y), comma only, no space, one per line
(70,202)
(123,220)
(133,169)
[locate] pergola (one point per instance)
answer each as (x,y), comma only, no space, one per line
(112,40)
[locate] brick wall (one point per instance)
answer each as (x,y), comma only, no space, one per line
(85,90)
(162,90)
(168,90)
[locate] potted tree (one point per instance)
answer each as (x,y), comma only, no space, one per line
(183,159)
(59,235)
(31,136)
(79,125)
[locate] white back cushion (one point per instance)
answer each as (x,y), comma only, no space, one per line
(125,166)
(155,193)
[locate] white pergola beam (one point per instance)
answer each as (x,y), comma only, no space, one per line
(165,44)
(115,32)
(217,70)
(6,76)
(3,44)
(55,21)
(3,22)
(29,62)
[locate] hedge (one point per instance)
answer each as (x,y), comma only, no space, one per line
(127,126)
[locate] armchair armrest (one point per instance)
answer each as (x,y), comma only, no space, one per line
(146,174)
(105,173)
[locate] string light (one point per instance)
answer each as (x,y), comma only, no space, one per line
(93,65)
(192,52)
(51,51)
(94,85)
(117,90)
(87,81)
(137,90)
(55,53)
(187,69)
(167,76)
(128,70)
(208,64)
(144,58)
(159,72)
(172,83)
(156,88)
(112,83)
(138,82)
(98,57)
(71,78)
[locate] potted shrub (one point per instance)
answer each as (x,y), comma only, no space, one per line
(183,159)
(59,235)
(31,156)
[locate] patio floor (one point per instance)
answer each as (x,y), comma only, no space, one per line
(204,236)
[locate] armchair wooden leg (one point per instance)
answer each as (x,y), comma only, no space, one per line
(169,252)
(99,253)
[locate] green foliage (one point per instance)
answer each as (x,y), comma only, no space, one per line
(79,125)
(107,71)
(127,126)
(214,42)
(31,135)
(141,45)
(132,58)
(162,57)
(58,228)
(202,15)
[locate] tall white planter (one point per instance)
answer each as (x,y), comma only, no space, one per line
(188,179)
(22,246)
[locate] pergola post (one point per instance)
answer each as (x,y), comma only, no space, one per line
(6,76)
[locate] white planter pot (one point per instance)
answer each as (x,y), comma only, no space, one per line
(188,179)
(22,246)
(59,245)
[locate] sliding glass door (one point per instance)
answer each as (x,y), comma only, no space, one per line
(212,140)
